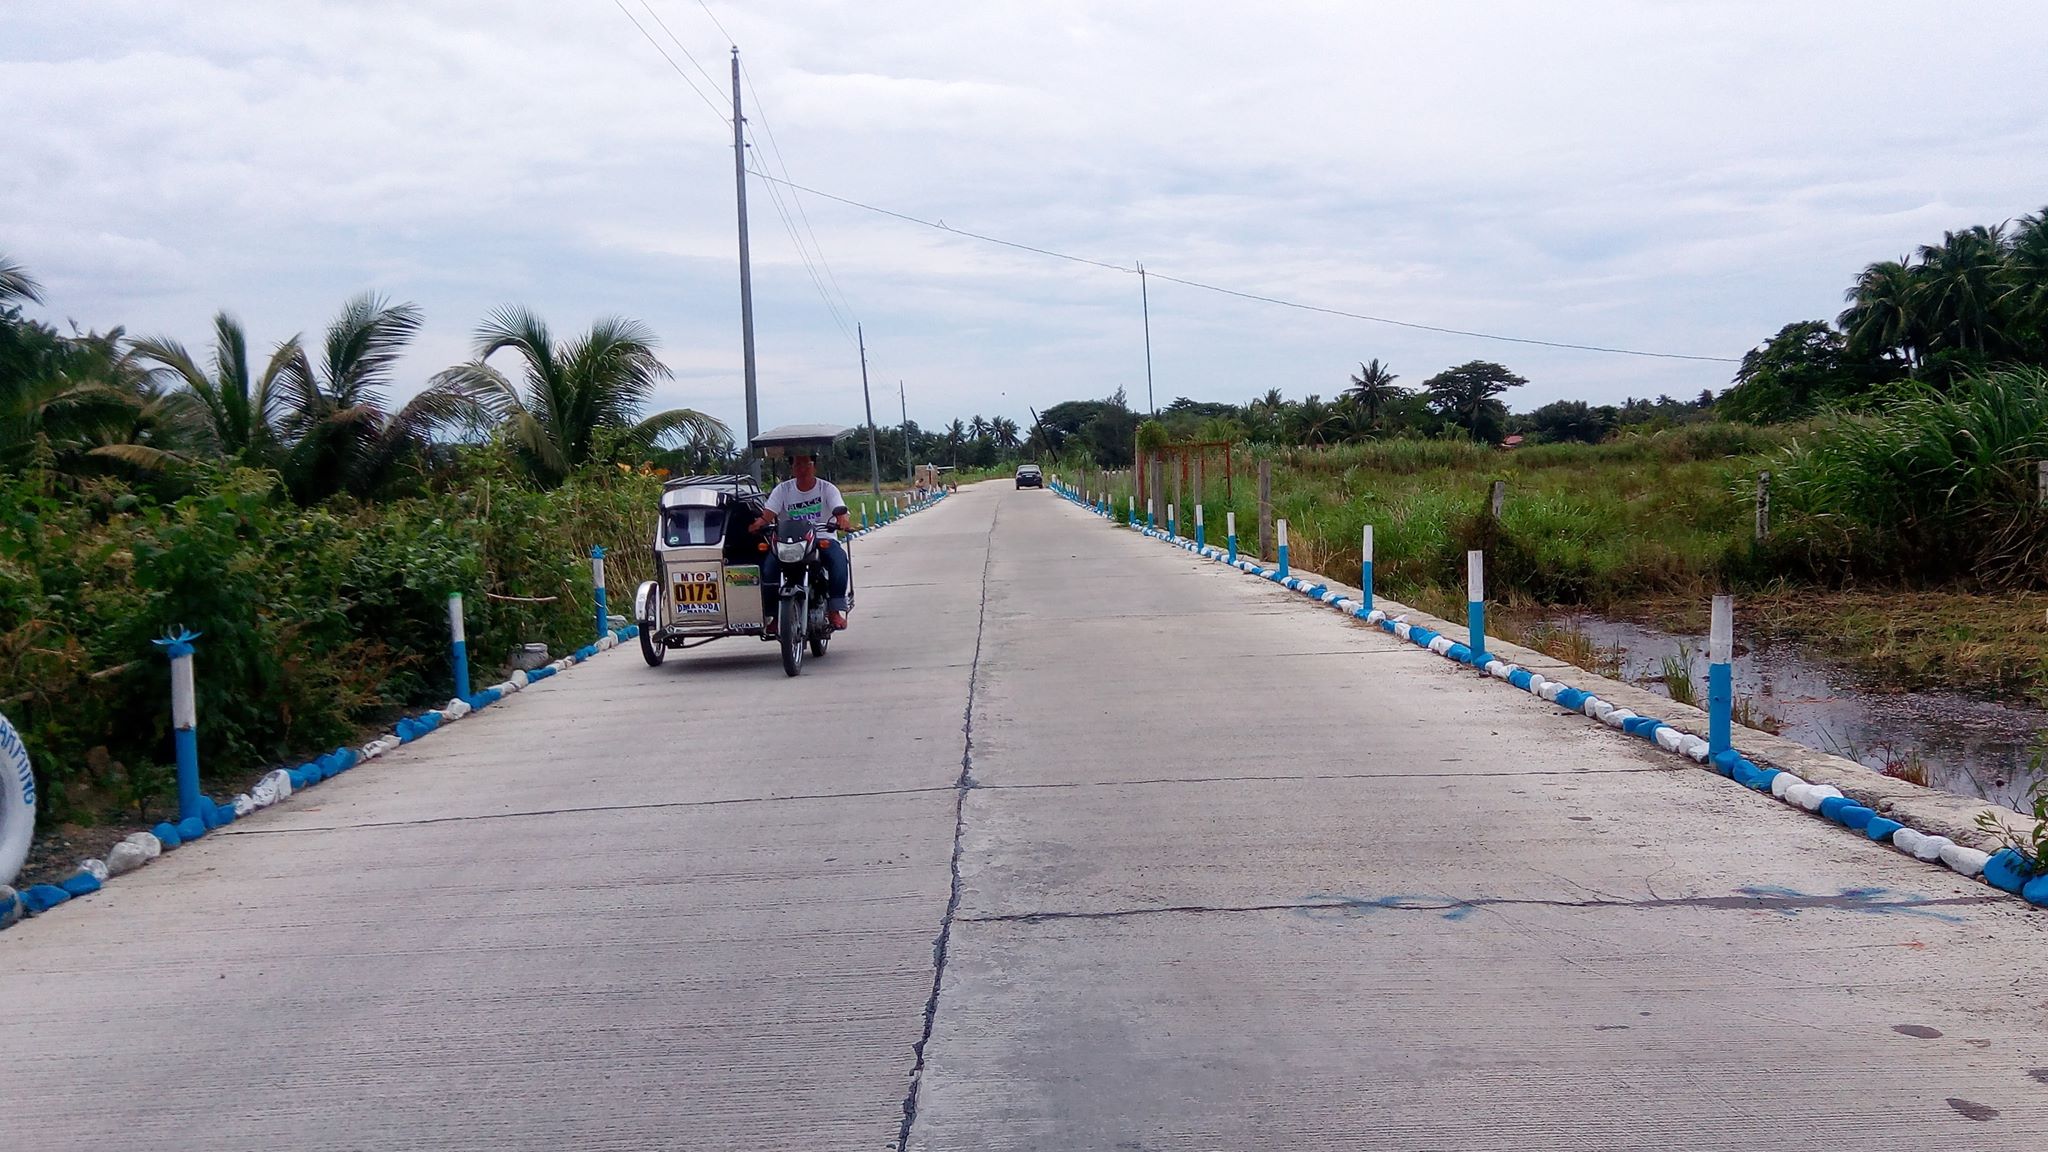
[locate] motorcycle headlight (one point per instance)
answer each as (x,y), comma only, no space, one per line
(791,552)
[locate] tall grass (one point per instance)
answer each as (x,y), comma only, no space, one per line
(1936,487)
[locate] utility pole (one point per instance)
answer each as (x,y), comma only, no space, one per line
(874,457)
(906,430)
(1145,302)
(739,177)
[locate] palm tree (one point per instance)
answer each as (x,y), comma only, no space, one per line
(17,284)
(1373,387)
(1312,421)
(581,400)
(1959,289)
(338,434)
(241,412)
(1003,432)
(978,427)
(1882,317)
(2025,298)
(956,435)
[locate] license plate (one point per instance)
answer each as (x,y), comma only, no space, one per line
(693,592)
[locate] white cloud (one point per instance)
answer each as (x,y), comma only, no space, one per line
(1684,177)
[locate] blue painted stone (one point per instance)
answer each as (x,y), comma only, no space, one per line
(2006,870)
(40,898)
(2035,891)
(1634,725)
(1881,828)
(1572,699)
(540,674)
(80,884)
(1460,653)
(167,833)
(1316,590)
(191,828)
(1520,678)
(1855,816)
(1764,776)
(1745,773)
(209,815)
(225,815)
(1421,636)
(1831,808)
(1725,762)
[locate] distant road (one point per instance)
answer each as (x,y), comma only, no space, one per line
(1206,868)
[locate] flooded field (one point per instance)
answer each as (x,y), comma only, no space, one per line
(1970,747)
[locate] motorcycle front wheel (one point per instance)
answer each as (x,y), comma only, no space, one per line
(789,627)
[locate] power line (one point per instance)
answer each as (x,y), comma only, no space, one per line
(776,149)
(715,20)
(686,53)
(942,226)
(724,114)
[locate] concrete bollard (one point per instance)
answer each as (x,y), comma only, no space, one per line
(184,720)
(459,643)
(1721,676)
(597,582)
(1475,604)
(1151,503)
(1280,535)
(1131,507)
(1365,568)
(1230,536)
(1172,526)
(1201,537)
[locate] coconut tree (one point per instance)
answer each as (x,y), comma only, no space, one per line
(1002,432)
(1959,285)
(339,436)
(1883,318)
(956,435)
(2025,295)
(1372,388)
(577,401)
(240,411)
(17,284)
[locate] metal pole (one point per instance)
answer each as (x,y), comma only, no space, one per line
(1201,537)
(874,454)
(739,176)
(1280,526)
(1145,302)
(597,582)
(1230,536)
(460,645)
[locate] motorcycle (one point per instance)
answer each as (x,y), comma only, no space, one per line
(803,591)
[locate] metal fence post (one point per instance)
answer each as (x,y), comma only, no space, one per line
(184,719)
(460,644)
(1475,605)
(1721,676)
(597,582)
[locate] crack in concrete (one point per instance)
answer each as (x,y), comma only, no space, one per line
(1785,902)
(961,786)
(1311,776)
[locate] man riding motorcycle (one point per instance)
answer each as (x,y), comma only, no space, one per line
(806,497)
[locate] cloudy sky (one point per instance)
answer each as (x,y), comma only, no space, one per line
(1670,177)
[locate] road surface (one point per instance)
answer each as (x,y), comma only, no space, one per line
(1073,842)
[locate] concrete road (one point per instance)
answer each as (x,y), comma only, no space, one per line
(1206,868)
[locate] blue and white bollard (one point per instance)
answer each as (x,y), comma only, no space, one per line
(1280,526)
(1365,569)
(1475,605)
(459,642)
(597,582)
(1201,537)
(1721,676)
(1230,535)
(184,720)
(1131,507)
(1172,528)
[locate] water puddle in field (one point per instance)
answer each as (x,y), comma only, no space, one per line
(1969,747)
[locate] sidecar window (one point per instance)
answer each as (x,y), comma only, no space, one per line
(692,527)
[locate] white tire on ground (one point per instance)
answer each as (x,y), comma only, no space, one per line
(17,802)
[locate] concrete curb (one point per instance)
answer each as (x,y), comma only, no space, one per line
(1846,793)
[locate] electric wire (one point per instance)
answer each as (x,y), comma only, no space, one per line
(775,149)
(687,55)
(724,114)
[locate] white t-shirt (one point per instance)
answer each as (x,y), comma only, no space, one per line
(815,506)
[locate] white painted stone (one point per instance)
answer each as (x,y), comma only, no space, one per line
(1930,847)
(1909,841)
(1668,738)
(1784,782)
(1694,748)
(1968,861)
(97,869)
(147,841)
(124,857)
(1440,645)
(519,677)
(1591,706)
(244,804)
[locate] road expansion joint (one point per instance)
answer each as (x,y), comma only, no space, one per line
(961,787)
